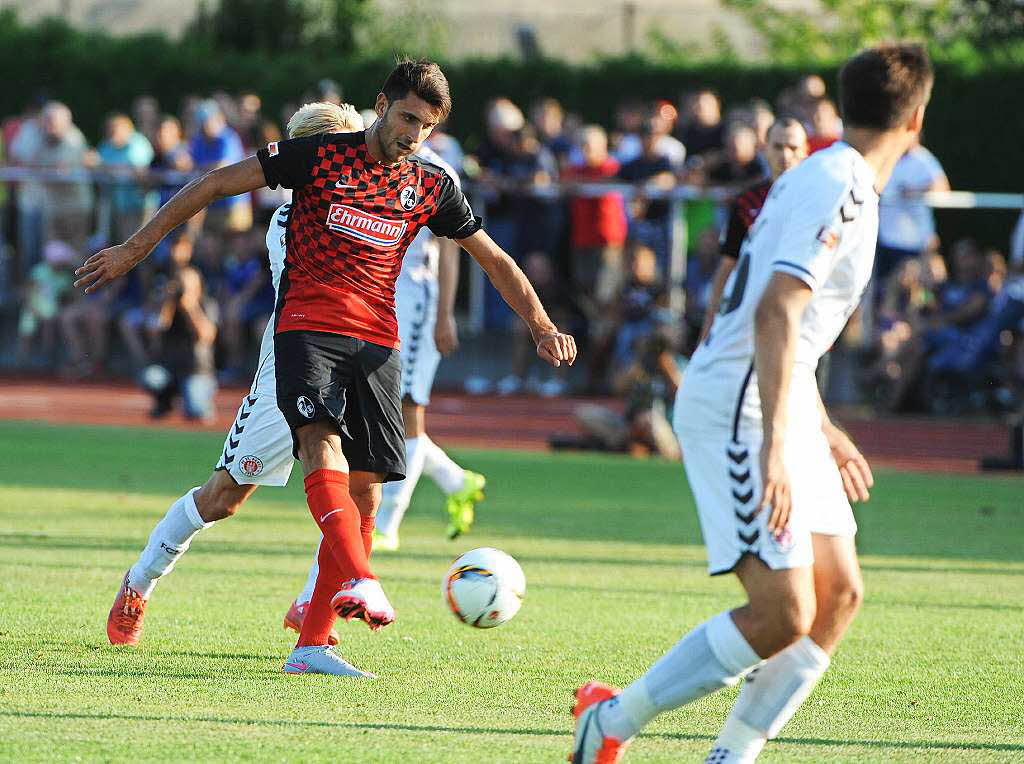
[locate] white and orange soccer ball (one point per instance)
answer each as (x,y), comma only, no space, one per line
(484,587)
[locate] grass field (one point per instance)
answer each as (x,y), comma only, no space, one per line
(931,671)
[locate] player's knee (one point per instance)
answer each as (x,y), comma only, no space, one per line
(845,595)
(366,498)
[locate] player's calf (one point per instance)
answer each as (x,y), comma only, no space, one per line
(221,496)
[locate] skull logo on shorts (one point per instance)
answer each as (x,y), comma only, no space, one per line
(305,407)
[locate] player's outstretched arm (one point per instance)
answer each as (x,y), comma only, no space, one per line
(110,263)
(510,281)
(776,329)
(853,467)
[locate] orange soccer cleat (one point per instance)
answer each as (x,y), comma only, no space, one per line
(591,745)
(124,623)
(296,615)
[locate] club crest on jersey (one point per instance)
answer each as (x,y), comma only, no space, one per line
(408,197)
(828,236)
(357,224)
(783,541)
(272,149)
(251,465)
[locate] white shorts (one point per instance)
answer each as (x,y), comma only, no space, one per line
(416,306)
(258,448)
(725,477)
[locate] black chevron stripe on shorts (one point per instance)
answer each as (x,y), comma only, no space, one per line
(742,488)
(243,413)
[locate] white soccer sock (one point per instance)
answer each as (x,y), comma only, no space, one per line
(169,540)
(395,496)
(440,468)
(770,696)
(712,656)
(307,591)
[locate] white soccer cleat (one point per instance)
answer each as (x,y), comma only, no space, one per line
(322,660)
(364,599)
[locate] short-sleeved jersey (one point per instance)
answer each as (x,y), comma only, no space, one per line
(904,220)
(421,259)
(819,224)
(350,223)
(742,212)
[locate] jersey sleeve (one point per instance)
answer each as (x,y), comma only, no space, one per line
(812,232)
(453,217)
(289,163)
(735,230)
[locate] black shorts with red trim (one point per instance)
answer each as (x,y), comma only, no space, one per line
(351,382)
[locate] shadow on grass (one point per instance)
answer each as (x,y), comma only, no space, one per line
(108,543)
(924,744)
(125,672)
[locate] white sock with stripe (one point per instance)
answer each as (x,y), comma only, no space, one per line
(712,656)
(440,467)
(395,496)
(169,540)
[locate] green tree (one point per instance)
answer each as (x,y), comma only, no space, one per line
(281,25)
(972,31)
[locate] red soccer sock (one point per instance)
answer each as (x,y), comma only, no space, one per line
(339,520)
(366,525)
(320,616)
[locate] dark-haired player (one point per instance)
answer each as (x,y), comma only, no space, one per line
(772,477)
(358,202)
(785,148)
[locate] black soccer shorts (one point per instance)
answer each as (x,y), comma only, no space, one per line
(353,383)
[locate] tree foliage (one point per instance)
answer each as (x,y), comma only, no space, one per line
(970,31)
(280,25)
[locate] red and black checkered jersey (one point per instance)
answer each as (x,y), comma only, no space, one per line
(351,221)
(742,213)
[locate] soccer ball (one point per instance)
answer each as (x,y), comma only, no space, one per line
(484,587)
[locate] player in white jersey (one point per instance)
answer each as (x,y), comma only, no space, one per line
(424,299)
(772,476)
(257,450)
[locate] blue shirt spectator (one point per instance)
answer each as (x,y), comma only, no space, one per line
(215,145)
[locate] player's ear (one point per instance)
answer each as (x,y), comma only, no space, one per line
(381,104)
(916,121)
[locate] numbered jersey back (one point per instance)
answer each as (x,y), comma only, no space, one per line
(819,224)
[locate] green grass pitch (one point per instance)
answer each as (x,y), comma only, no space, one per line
(931,671)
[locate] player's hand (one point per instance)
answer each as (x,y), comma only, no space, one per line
(555,347)
(446,334)
(777,496)
(106,265)
(853,467)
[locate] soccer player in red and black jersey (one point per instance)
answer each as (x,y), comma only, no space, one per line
(359,200)
(785,147)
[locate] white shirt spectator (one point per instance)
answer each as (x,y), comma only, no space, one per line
(904,220)
(632,146)
(1017,243)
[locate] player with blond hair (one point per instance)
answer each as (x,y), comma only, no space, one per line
(257,449)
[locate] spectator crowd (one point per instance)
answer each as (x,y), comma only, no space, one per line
(592,213)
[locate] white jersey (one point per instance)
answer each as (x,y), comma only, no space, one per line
(420,261)
(819,224)
(265,381)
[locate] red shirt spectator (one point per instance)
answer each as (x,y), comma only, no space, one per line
(597,221)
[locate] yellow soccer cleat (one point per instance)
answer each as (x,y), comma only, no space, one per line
(461,504)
